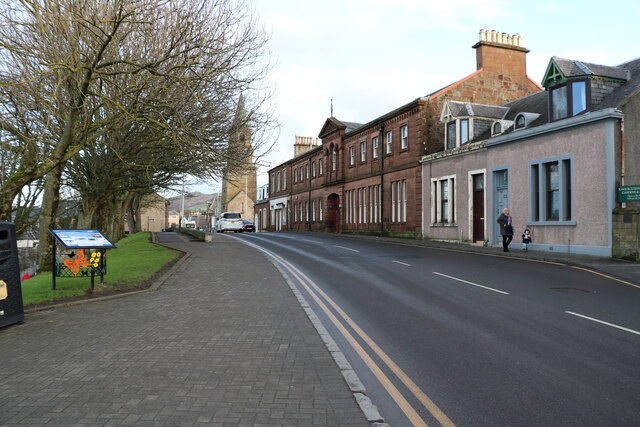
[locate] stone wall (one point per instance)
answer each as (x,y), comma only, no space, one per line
(626,233)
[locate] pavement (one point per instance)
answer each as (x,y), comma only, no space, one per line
(222,341)
(219,340)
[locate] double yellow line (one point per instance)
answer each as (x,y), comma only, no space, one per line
(320,297)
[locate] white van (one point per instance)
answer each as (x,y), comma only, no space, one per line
(229,221)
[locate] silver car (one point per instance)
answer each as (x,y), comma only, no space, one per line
(229,221)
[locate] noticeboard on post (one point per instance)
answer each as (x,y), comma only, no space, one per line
(82,239)
(629,193)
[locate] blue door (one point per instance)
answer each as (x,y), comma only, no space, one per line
(500,200)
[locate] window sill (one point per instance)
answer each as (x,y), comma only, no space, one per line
(443,224)
(552,223)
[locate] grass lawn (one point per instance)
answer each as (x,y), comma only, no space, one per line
(134,261)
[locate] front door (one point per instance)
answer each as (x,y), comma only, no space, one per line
(333,214)
(478,208)
(501,185)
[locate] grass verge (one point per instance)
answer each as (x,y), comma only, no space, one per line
(129,267)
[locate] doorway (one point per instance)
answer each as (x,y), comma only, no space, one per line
(478,208)
(333,214)
(501,199)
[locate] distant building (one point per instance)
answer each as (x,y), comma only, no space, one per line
(239,180)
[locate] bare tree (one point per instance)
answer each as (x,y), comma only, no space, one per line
(71,69)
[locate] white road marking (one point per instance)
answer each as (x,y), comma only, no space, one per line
(400,262)
(348,249)
(471,283)
(603,322)
(312,241)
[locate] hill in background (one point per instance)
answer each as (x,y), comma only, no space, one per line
(193,202)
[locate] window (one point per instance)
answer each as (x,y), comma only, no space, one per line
(570,99)
(363,151)
(404,137)
(393,201)
(352,156)
(284,179)
(451,135)
(307,170)
(334,160)
(497,128)
(278,181)
(313,169)
(521,122)
(306,210)
(320,163)
(550,196)
(464,131)
(404,200)
(320,210)
(374,142)
(443,200)
(313,211)
(272,184)
(388,142)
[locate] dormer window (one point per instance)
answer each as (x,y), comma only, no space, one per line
(457,133)
(521,122)
(569,99)
(497,128)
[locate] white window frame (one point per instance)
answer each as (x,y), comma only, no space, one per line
(352,155)
(320,209)
(320,163)
(334,160)
(436,199)
(363,151)
(284,179)
(404,137)
(375,146)
(393,201)
(388,144)
(313,210)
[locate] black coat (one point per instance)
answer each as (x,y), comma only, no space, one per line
(503,220)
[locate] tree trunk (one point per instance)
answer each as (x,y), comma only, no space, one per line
(48,215)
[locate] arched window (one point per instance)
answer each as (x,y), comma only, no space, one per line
(497,128)
(520,122)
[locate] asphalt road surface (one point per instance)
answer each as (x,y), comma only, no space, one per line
(452,338)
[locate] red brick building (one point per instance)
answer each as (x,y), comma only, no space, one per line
(366,178)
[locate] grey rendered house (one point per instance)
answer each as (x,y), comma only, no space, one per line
(555,158)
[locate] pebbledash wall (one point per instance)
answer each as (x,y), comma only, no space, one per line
(345,185)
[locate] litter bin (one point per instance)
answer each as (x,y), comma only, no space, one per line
(11,309)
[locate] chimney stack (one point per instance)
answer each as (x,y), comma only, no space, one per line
(304,144)
(501,53)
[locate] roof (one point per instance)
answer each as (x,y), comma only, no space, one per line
(620,95)
(468,109)
(561,70)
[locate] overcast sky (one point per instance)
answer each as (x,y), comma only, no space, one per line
(372,56)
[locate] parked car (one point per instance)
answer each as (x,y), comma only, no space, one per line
(248,225)
(229,221)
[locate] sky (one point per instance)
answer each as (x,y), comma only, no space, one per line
(372,56)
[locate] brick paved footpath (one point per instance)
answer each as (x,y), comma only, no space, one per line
(222,342)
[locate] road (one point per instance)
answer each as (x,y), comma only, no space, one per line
(452,338)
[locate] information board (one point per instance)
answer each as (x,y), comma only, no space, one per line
(82,239)
(629,193)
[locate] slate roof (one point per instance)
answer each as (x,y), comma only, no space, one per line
(468,109)
(621,94)
(350,126)
(573,68)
